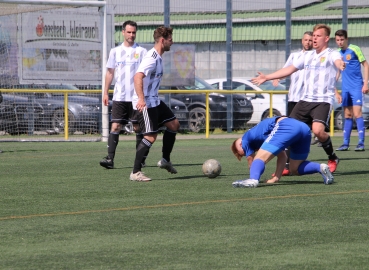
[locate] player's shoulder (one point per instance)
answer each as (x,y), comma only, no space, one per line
(153,54)
(354,48)
(138,47)
(331,50)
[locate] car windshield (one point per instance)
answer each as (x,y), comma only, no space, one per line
(200,84)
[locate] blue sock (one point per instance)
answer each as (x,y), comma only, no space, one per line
(360,129)
(257,169)
(347,131)
(308,167)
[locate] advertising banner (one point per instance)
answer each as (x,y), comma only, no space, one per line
(8,50)
(62,45)
(179,65)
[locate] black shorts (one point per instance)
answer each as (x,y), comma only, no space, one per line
(151,119)
(290,106)
(309,112)
(121,112)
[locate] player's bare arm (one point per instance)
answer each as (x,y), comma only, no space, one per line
(108,79)
(365,64)
(284,72)
(340,64)
(138,83)
(281,162)
(250,159)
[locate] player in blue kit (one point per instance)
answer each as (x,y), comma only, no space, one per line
(353,88)
(269,139)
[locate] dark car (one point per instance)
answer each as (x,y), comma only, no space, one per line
(18,114)
(178,108)
(83,110)
(196,104)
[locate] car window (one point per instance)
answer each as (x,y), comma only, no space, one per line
(215,85)
(241,86)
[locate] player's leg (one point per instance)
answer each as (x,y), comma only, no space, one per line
(286,170)
(117,120)
(256,169)
(168,119)
(299,152)
(357,113)
(347,127)
(147,121)
(320,113)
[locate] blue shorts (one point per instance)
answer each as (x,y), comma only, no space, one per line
(354,98)
(291,133)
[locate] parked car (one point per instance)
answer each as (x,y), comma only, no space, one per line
(178,108)
(196,104)
(260,100)
(83,110)
(15,112)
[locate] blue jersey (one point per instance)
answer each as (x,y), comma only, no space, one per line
(274,137)
(352,79)
(255,137)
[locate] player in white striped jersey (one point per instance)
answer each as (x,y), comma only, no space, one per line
(122,65)
(150,112)
(296,88)
(321,66)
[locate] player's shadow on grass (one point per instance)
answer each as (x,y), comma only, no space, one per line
(293,182)
(18,151)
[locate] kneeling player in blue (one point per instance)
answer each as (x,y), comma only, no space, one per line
(268,139)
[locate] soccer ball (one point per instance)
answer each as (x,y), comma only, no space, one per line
(211,168)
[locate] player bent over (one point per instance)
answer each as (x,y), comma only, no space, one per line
(269,139)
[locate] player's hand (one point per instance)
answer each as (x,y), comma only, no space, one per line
(275,82)
(106,100)
(365,89)
(272,180)
(141,104)
(339,98)
(259,80)
(342,65)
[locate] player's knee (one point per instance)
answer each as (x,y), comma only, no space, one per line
(115,127)
(173,125)
(294,171)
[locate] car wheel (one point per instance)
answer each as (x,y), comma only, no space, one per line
(57,122)
(266,114)
(338,121)
(197,119)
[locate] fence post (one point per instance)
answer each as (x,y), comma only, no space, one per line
(66,118)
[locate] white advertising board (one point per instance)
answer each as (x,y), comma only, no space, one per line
(62,45)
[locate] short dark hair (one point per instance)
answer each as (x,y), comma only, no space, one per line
(163,32)
(131,23)
(310,33)
(341,33)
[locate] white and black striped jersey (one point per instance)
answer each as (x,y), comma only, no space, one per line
(152,67)
(125,61)
(320,75)
(296,89)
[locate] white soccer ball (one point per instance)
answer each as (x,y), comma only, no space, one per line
(211,168)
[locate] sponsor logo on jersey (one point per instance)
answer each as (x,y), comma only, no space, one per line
(322,59)
(348,57)
(136,56)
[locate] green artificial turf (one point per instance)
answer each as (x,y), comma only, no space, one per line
(60,210)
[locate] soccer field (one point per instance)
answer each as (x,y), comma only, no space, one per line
(60,210)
